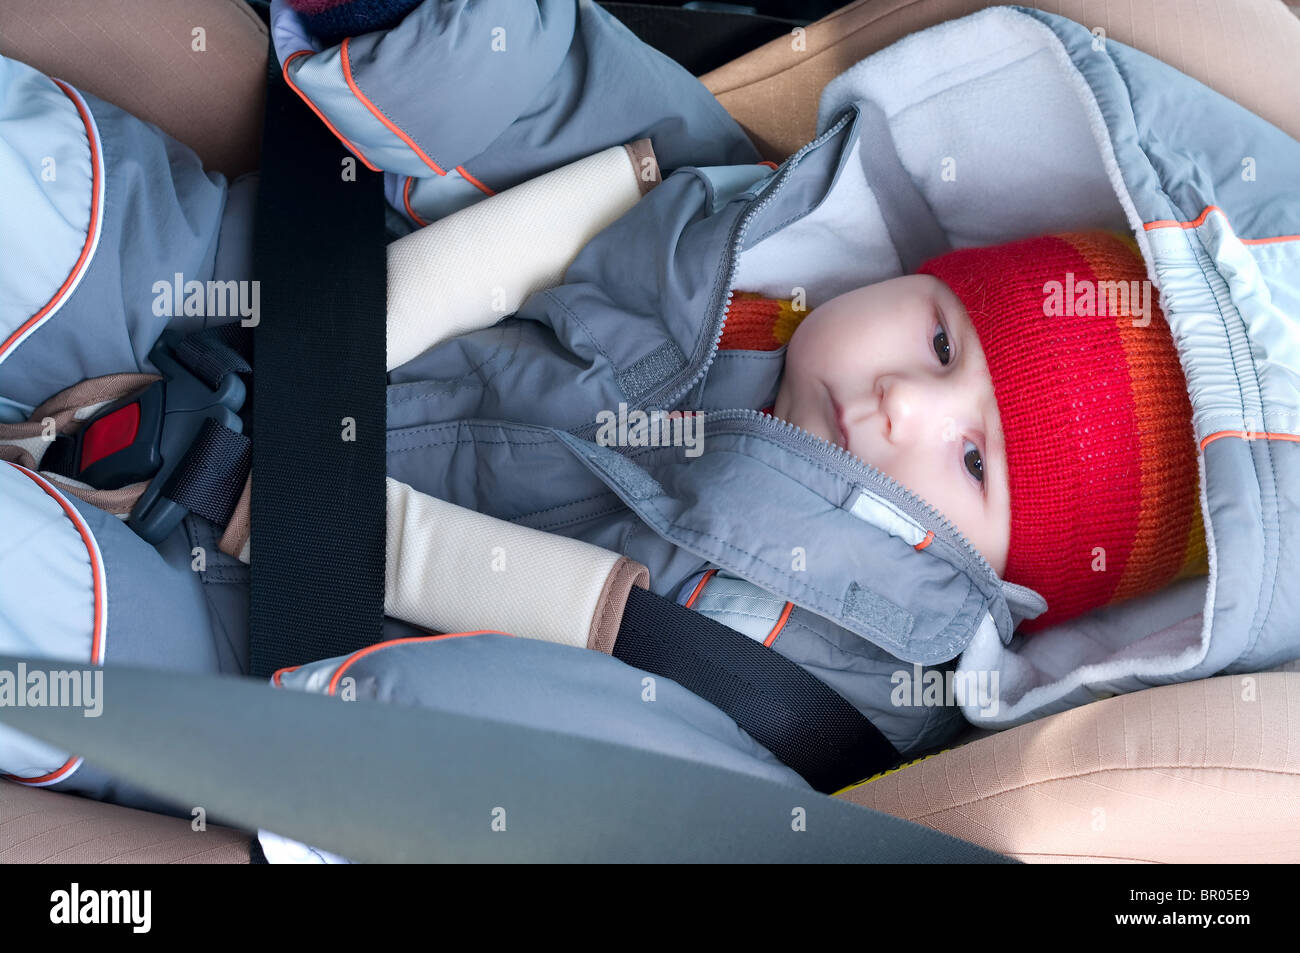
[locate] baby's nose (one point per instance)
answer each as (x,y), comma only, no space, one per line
(902,403)
(924,409)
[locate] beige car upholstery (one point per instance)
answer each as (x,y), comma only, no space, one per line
(39,827)
(1187,772)
(1199,772)
(194,68)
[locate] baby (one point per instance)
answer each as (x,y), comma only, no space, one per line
(1055,435)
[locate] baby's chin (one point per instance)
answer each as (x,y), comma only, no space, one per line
(787,408)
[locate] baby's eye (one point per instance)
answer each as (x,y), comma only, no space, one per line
(942,347)
(974,462)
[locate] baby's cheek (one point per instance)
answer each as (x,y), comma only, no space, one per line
(794,354)
(807,346)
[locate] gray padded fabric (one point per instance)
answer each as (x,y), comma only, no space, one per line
(562,798)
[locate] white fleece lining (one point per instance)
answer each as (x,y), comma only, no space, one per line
(843,243)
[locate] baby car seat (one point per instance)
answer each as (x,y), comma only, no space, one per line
(1194,771)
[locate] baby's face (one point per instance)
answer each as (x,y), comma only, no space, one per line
(894,374)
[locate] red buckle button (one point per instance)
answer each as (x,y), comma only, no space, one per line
(109,434)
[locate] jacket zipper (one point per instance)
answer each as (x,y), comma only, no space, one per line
(737,241)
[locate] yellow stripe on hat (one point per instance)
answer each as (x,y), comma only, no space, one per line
(1197,562)
(787,319)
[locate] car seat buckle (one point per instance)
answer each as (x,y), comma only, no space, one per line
(145,435)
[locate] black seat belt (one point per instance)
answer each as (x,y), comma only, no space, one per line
(809,727)
(318,496)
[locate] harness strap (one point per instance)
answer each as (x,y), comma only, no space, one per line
(807,725)
(214,352)
(210,477)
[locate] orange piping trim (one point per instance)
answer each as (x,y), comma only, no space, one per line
(769,163)
(929,538)
(54,775)
(329,125)
(481,187)
(406,200)
(699,587)
(96,177)
(1269,241)
(362,653)
(1249,435)
(780,624)
(96,571)
(275,679)
(347,75)
(1200,220)
(1194,223)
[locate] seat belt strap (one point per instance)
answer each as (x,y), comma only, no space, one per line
(802,721)
(319,411)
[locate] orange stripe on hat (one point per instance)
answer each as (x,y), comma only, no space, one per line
(1162,416)
(756,323)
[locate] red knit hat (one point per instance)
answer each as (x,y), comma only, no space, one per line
(1101,456)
